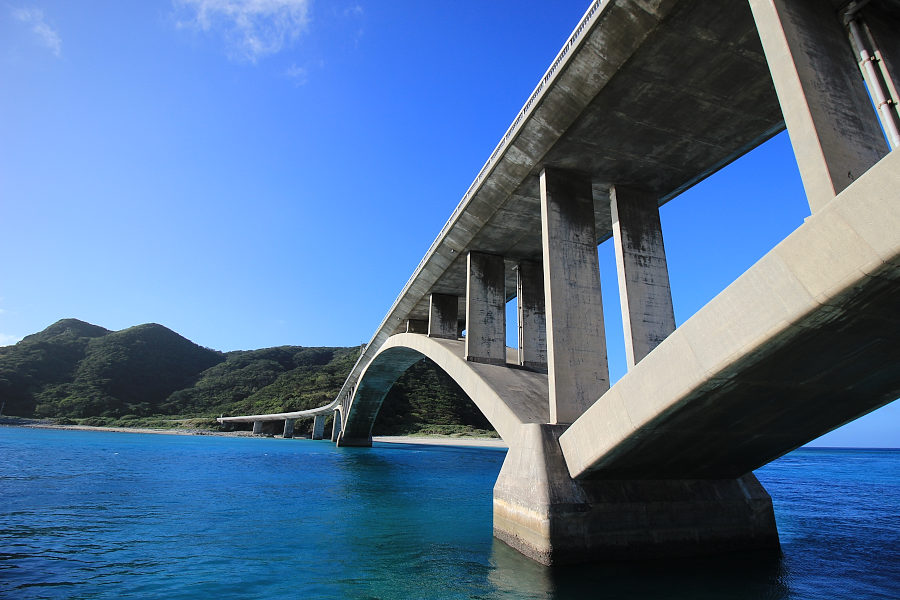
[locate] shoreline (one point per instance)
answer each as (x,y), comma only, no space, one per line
(423,440)
(150,430)
(442,440)
(426,440)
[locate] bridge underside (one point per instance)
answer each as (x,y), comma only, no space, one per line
(661,95)
(803,342)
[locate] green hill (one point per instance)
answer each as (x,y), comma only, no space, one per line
(74,369)
(149,375)
(278,379)
(42,363)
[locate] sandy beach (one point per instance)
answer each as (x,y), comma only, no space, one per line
(431,440)
(441,440)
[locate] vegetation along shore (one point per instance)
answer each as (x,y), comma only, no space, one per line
(75,374)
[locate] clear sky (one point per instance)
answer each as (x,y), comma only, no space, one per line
(253,173)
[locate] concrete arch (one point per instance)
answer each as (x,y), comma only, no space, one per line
(508,397)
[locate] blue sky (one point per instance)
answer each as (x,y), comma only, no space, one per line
(259,173)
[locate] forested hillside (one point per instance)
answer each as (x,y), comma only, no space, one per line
(149,375)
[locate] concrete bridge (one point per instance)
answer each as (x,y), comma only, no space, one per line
(271,423)
(646,99)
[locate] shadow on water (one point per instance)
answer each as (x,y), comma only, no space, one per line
(741,577)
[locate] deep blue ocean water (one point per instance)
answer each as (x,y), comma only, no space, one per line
(111,515)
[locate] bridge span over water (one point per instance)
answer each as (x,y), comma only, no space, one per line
(644,100)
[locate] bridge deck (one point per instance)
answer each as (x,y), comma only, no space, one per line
(297,414)
(657,95)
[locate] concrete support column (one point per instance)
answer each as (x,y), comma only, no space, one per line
(532,320)
(350,434)
(576,339)
(336,426)
(834,131)
(257,427)
(485,309)
(288,429)
(647,313)
(443,313)
(417,326)
(318,431)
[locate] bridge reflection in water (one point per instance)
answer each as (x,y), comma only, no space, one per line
(643,101)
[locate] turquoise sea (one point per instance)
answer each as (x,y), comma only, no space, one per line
(111,515)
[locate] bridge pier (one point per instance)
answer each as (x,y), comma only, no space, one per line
(647,313)
(576,339)
(336,426)
(318,431)
(443,313)
(531,316)
(545,514)
(485,309)
(834,132)
(416,326)
(352,442)
(266,427)
(288,429)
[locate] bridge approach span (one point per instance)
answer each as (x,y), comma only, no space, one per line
(265,423)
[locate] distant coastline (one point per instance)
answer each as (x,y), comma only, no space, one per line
(49,424)
(425,439)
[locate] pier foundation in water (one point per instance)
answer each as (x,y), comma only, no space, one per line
(548,516)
